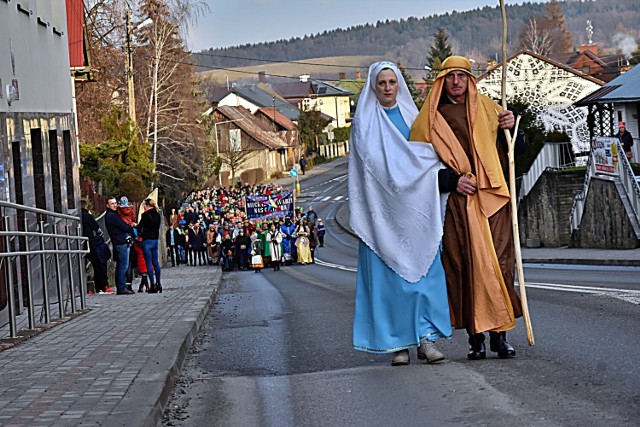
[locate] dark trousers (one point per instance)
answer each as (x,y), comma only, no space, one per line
(173,254)
(99,272)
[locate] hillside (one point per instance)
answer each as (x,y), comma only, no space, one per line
(475,33)
(320,68)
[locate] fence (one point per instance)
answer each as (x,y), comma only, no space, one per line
(41,264)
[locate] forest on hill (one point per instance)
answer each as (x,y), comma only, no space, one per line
(475,33)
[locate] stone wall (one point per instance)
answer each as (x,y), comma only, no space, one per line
(544,213)
(605,223)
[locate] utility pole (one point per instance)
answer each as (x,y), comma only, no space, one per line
(129,66)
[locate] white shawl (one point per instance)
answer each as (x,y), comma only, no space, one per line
(394,201)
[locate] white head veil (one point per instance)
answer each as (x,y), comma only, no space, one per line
(396,208)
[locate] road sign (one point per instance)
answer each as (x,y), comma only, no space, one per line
(293,173)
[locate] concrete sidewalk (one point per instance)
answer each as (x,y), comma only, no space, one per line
(115,364)
(609,257)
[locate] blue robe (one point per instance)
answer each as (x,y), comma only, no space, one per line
(392,314)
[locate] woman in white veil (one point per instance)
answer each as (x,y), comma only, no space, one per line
(397,212)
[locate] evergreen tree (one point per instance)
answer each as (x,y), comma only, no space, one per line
(310,125)
(440,50)
(416,94)
(556,25)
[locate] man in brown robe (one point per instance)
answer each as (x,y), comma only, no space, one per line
(478,253)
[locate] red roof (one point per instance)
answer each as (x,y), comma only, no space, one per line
(278,117)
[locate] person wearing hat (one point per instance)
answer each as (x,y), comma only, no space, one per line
(625,139)
(466,129)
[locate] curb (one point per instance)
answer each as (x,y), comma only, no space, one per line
(157,377)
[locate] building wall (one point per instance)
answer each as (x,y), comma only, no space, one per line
(234,100)
(338,107)
(39,154)
(35,56)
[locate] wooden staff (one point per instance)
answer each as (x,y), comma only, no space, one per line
(512,184)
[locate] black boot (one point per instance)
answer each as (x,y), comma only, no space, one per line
(498,343)
(159,287)
(478,350)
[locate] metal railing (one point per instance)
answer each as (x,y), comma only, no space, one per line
(577,208)
(630,184)
(553,155)
(35,244)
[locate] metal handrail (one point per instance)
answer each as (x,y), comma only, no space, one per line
(548,158)
(577,207)
(42,247)
(629,182)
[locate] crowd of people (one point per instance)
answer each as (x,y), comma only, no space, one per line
(212,228)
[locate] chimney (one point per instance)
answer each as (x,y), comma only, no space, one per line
(625,68)
(304,78)
(358,75)
(262,77)
(342,76)
(591,48)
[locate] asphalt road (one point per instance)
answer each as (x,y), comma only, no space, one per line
(275,350)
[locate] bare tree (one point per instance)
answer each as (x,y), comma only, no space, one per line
(535,39)
(236,152)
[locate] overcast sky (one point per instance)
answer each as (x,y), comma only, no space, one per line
(234,22)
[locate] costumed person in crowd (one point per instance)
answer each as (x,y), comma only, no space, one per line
(99,252)
(266,247)
(256,253)
(625,139)
(243,244)
(121,234)
(313,242)
(302,243)
(227,247)
(274,237)
(149,231)
(465,128)
(288,230)
(321,232)
(401,295)
(213,242)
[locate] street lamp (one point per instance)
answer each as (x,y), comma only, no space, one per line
(215,130)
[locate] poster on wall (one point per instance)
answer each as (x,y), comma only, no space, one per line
(605,154)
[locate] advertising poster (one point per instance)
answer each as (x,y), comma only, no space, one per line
(604,154)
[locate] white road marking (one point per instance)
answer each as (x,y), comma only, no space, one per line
(628,295)
(338,198)
(326,198)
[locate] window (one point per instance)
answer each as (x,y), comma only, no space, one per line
(235,140)
(38,169)
(55,170)
(68,165)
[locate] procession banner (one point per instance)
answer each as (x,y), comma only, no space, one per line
(269,207)
(604,154)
